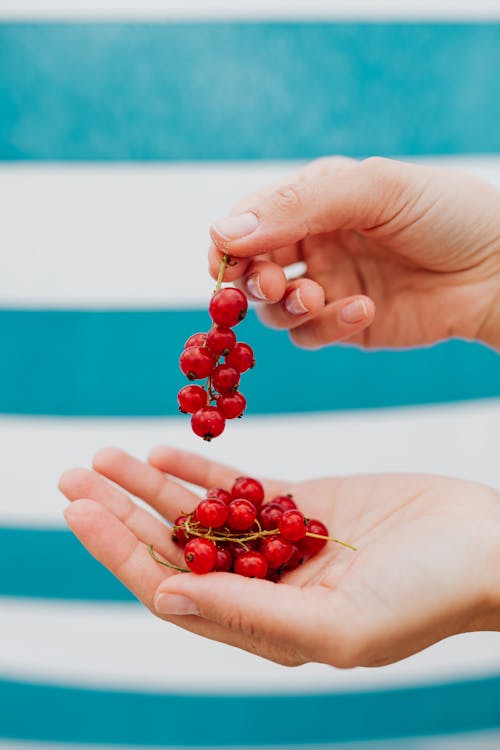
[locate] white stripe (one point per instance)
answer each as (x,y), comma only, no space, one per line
(196,10)
(125,647)
(134,235)
(457,440)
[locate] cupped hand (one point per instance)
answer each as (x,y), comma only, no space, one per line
(395,254)
(425,567)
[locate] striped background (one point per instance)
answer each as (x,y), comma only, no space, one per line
(125,128)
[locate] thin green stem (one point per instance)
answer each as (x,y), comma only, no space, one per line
(166,562)
(222,268)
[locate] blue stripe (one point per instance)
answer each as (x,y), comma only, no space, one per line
(74,715)
(126,364)
(192,91)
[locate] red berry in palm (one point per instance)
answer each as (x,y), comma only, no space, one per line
(208,423)
(221,340)
(310,545)
(179,535)
(212,513)
(286,502)
(276,550)
(224,561)
(241,357)
(191,398)
(197,339)
(269,515)
(197,363)
(273,575)
(225,379)
(295,560)
(219,494)
(228,306)
(292,525)
(250,489)
(251,565)
(231,405)
(237,548)
(242,514)
(200,555)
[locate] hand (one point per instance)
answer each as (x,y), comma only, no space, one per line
(426,565)
(396,254)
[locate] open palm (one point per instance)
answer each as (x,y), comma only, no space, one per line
(421,573)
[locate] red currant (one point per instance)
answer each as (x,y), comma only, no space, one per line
(225,379)
(232,405)
(286,502)
(219,494)
(208,423)
(221,340)
(310,545)
(200,555)
(197,339)
(269,515)
(179,535)
(242,514)
(212,513)
(273,575)
(224,561)
(241,357)
(250,489)
(276,550)
(236,548)
(228,307)
(251,565)
(295,560)
(196,363)
(191,398)
(292,525)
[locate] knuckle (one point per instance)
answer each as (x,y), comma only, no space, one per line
(386,171)
(290,198)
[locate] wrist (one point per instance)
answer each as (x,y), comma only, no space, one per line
(485,612)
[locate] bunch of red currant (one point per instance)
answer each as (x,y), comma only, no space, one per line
(237,532)
(219,399)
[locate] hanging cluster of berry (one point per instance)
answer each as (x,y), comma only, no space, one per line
(235,531)
(219,399)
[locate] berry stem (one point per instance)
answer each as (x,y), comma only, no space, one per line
(332,539)
(166,562)
(222,268)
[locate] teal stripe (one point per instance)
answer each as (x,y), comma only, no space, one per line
(193,91)
(125,364)
(56,714)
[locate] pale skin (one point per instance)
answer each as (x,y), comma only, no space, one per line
(414,254)
(426,565)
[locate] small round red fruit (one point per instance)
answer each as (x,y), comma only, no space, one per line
(295,560)
(241,357)
(221,340)
(251,565)
(212,513)
(196,363)
(225,379)
(228,307)
(286,502)
(311,545)
(208,423)
(241,515)
(191,398)
(269,515)
(276,550)
(250,489)
(224,561)
(179,535)
(197,339)
(232,405)
(219,494)
(292,525)
(236,548)
(200,555)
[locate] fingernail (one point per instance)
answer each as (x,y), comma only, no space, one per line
(175,604)
(254,287)
(354,312)
(234,227)
(294,304)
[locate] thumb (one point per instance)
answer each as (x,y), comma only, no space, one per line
(366,195)
(300,621)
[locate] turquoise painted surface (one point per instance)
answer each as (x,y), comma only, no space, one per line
(195,91)
(75,715)
(126,363)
